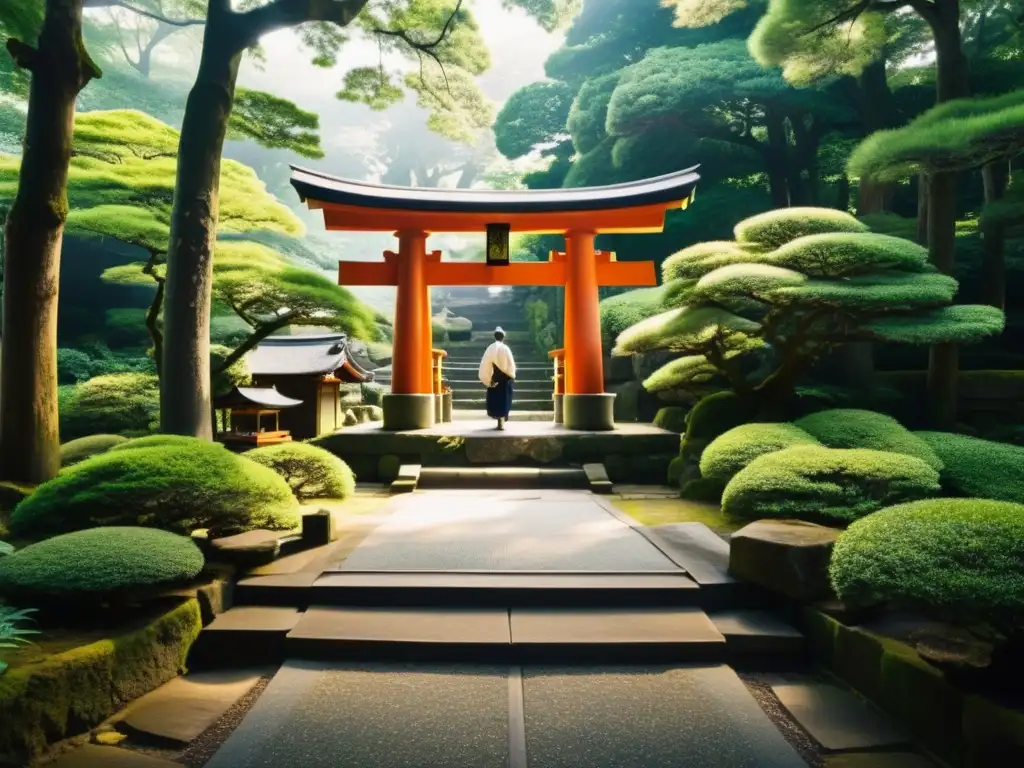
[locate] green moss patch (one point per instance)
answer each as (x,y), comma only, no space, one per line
(179,488)
(825,485)
(732,451)
(664,511)
(65,694)
(980,468)
(961,560)
(855,428)
(311,472)
(83,448)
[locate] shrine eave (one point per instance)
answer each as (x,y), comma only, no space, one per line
(633,206)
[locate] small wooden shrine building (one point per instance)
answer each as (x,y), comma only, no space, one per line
(310,369)
(577,214)
(250,416)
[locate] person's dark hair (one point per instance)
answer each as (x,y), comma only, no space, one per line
(499,335)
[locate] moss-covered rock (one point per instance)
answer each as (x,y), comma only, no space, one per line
(980,468)
(961,560)
(732,451)
(672,418)
(179,487)
(83,448)
(70,692)
(789,557)
(311,472)
(99,563)
(833,486)
(855,428)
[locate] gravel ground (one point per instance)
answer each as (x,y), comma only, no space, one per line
(807,748)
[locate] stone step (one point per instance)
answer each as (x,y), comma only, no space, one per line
(459,414)
(498,635)
(501,477)
(244,635)
(448,589)
(529,404)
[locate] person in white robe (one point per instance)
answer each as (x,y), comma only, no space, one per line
(498,374)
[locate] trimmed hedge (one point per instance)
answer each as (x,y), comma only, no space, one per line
(100,562)
(713,416)
(855,428)
(78,689)
(311,472)
(730,452)
(166,441)
(118,402)
(625,310)
(980,468)
(826,485)
(672,418)
(83,448)
(179,487)
(782,225)
(961,560)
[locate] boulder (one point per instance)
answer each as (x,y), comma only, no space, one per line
(789,557)
(509,450)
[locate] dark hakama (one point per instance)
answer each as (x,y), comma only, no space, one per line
(499,396)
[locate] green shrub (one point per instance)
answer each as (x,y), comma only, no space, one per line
(180,488)
(110,404)
(100,562)
(961,560)
(702,489)
(979,468)
(675,471)
(166,441)
(826,485)
(672,418)
(83,448)
(732,451)
(459,329)
(311,472)
(438,332)
(6,549)
(372,394)
(712,416)
(778,227)
(73,366)
(625,310)
(854,428)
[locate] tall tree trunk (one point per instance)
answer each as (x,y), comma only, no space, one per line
(953,82)
(185,384)
(922,209)
(877,111)
(60,67)
(776,156)
(153,326)
(842,201)
(993,237)
(144,65)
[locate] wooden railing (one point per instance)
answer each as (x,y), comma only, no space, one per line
(437,375)
(558,355)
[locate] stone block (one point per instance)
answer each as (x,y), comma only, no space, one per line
(506,450)
(626,408)
(215,598)
(318,528)
(249,548)
(789,557)
(618,369)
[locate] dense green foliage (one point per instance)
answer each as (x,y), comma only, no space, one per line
(100,562)
(854,428)
(110,404)
(311,472)
(672,417)
(980,468)
(961,560)
(732,451)
(826,485)
(623,310)
(83,448)
(179,487)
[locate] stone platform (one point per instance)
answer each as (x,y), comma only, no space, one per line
(636,453)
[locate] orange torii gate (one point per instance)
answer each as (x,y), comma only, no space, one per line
(578,214)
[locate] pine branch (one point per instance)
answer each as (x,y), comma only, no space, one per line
(24,55)
(289,13)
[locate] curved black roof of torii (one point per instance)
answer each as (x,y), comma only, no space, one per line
(313,185)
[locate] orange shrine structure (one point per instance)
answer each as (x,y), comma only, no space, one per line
(578,214)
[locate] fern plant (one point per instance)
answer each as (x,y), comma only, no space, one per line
(12,635)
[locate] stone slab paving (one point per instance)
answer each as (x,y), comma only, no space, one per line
(408,625)
(677,717)
(837,719)
(255,618)
(541,532)
(753,631)
(180,710)
(318,715)
(94,756)
(604,625)
(697,549)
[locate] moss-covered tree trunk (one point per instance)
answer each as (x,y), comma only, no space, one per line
(953,82)
(60,67)
(185,376)
(993,237)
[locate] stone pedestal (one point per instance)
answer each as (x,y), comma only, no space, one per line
(591,413)
(402,412)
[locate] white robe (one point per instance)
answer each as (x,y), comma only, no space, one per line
(500,355)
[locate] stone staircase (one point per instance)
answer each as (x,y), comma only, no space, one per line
(534,372)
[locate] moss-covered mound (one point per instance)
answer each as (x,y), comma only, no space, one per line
(957,559)
(178,488)
(672,418)
(83,448)
(99,562)
(778,227)
(118,402)
(166,441)
(732,451)
(855,428)
(311,472)
(826,485)
(979,468)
